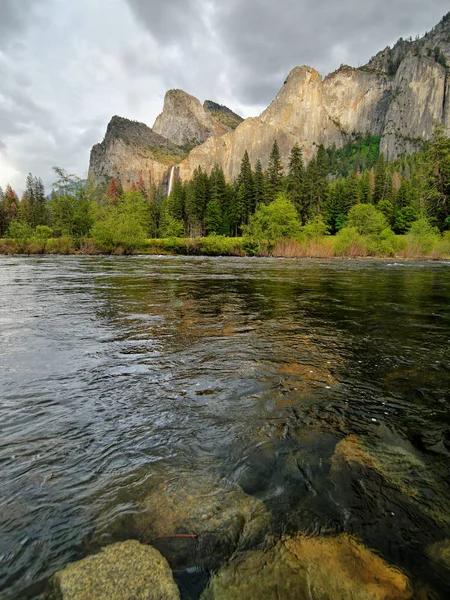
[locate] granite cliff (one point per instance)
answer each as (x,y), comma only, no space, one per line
(399,95)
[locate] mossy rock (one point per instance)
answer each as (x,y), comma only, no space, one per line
(218,513)
(440,553)
(301,568)
(401,468)
(124,571)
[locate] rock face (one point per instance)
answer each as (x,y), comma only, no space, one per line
(184,121)
(223,115)
(334,568)
(417,102)
(125,571)
(131,151)
(398,95)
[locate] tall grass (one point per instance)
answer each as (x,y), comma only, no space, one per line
(347,244)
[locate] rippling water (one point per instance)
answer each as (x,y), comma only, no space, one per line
(115,369)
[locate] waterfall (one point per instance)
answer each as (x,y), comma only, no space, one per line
(171,176)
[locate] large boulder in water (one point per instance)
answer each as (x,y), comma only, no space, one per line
(401,467)
(218,515)
(124,571)
(329,568)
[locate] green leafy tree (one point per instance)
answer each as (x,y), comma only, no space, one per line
(366,219)
(275,221)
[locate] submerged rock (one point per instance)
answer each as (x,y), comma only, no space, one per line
(440,553)
(401,468)
(334,568)
(124,571)
(218,513)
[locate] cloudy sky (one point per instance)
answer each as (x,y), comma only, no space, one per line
(67,66)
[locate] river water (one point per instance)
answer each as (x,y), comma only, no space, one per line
(114,369)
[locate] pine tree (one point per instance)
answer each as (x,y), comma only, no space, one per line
(213,218)
(296,181)
(274,174)
(322,178)
(245,179)
(36,209)
(379,189)
(260,184)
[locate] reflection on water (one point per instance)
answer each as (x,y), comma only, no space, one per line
(120,372)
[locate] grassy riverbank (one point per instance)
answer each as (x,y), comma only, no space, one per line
(321,247)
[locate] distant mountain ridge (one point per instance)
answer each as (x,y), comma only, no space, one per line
(399,94)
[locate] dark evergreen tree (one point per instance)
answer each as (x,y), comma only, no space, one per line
(260,184)
(296,182)
(245,179)
(274,174)
(379,191)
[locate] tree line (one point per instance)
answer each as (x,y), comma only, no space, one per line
(327,187)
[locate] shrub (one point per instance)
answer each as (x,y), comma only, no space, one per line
(20,232)
(217,245)
(366,219)
(61,245)
(275,221)
(43,232)
(349,242)
(315,229)
(118,230)
(442,248)
(422,237)
(385,243)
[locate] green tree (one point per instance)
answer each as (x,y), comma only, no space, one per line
(245,179)
(213,218)
(296,181)
(274,174)
(379,192)
(275,221)
(260,184)
(366,219)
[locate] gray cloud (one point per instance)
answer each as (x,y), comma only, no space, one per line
(67,67)
(14,16)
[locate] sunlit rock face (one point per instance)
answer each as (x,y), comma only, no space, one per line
(417,103)
(400,94)
(184,121)
(131,152)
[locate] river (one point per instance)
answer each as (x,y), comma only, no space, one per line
(115,369)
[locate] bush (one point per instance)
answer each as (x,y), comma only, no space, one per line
(422,237)
(118,231)
(385,243)
(275,221)
(366,219)
(315,229)
(20,232)
(61,245)
(442,248)
(43,232)
(349,242)
(217,245)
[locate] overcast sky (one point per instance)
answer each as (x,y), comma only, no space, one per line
(68,66)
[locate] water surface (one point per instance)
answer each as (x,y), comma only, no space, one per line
(116,370)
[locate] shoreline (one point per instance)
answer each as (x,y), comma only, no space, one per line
(218,246)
